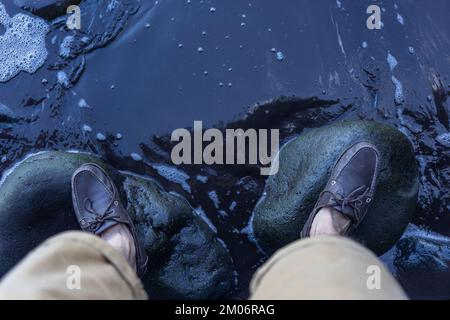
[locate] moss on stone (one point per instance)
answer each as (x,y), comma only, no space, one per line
(305,166)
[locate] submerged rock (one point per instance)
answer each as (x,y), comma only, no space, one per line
(47,9)
(420,260)
(305,166)
(186,259)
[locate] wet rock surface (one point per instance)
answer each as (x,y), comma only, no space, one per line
(290,196)
(186,260)
(420,261)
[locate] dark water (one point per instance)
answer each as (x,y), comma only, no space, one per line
(137,70)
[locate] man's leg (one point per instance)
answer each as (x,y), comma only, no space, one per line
(74,265)
(324,267)
(328,265)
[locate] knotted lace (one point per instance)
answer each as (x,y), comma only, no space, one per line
(95,224)
(352,200)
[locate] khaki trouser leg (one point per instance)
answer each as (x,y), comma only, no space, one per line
(50,271)
(324,268)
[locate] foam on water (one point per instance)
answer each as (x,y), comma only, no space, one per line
(444,139)
(87,128)
(392,61)
(248,230)
(62,78)
(202,179)
(398,95)
(83,104)
(66,46)
(202,214)
(400,19)
(214,198)
(22,46)
(175,175)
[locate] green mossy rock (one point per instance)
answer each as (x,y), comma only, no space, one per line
(186,260)
(305,166)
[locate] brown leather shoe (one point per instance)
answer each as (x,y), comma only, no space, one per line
(351,186)
(98,207)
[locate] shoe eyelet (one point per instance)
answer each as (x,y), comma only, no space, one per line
(333,182)
(368,200)
(116,203)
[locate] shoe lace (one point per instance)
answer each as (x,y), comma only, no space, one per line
(352,200)
(95,224)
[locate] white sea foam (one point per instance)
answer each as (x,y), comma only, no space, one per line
(400,19)
(66,46)
(214,198)
(392,61)
(22,46)
(174,175)
(202,214)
